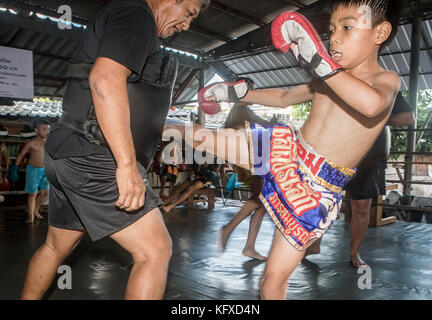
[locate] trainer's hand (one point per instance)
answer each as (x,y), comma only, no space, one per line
(131,188)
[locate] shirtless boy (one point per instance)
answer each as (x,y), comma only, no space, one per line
(35,171)
(352,97)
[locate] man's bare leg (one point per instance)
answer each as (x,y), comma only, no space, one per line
(39,200)
(31,205)
(242,214)
(195,186)
(171,188)
(177,192)
(162,190)
(150,245)
(358,227)
(281,263)
(254,227)
(43,266)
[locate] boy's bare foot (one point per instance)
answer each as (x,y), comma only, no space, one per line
(38,215)
(223,239)
(356,261)
(29,221)
(253,254)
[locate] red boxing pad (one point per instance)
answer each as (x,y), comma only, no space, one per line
(207,106)
(210,107)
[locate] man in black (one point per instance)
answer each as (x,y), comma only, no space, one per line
(369,182)
(103,189)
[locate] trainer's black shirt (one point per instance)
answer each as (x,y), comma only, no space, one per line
(124,31)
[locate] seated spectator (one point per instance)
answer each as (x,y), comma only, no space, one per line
(204,176)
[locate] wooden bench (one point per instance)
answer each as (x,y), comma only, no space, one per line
(375,214)
(208,192)
(375,218)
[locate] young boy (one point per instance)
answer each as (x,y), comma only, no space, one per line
(35,171)
(352,97)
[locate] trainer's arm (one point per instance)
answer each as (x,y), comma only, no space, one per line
(368,100)
(280,98)
(108,80)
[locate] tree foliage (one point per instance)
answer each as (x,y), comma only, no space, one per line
(424,105)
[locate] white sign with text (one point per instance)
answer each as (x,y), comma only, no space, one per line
(16,73)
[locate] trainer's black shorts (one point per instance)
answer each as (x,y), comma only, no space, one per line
(369,181)
(83,192)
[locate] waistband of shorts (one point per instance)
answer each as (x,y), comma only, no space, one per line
(35,168)
(322,171)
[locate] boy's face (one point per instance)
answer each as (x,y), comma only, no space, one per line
(353,40)
(43,130)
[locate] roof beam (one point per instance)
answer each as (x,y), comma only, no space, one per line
(236,13)
(184,85)
(38,25)
(296,3)
(204,32)
(208,33)
(46,85)
(222,70)
(18,5)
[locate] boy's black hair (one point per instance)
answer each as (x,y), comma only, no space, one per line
(40,122)
(382,10)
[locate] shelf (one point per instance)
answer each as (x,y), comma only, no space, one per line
(13,141)
(12,192)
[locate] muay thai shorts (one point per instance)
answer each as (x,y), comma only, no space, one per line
(302,189)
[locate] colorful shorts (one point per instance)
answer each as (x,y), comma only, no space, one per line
(35,179)
(302,189)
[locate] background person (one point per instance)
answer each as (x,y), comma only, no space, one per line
(35,170)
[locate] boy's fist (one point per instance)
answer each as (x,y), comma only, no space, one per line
(291,30)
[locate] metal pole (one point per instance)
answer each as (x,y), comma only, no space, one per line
(413,94)
(201,114)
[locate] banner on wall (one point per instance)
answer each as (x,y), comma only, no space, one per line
(16,74)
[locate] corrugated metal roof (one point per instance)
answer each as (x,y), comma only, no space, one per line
(51,53)
(37,108)
(274,69)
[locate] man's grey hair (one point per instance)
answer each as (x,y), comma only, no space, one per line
(204,3)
